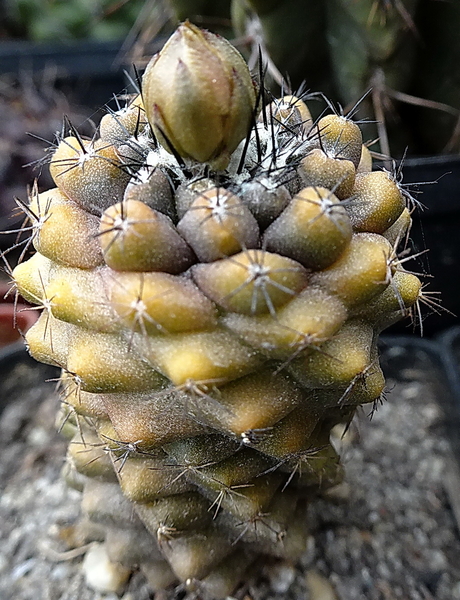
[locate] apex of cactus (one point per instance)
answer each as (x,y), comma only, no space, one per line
(199,96)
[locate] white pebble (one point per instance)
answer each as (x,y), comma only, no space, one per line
(101,574)
(281,577)
(319,587)
(23,569)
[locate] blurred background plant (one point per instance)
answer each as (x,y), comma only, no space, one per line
(52,20)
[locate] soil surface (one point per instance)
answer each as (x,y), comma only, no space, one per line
(387,533)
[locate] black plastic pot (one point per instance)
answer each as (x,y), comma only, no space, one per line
(435,183)
(439,361)
(450,347)
(89,71)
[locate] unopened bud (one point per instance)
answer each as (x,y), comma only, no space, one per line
(199,96)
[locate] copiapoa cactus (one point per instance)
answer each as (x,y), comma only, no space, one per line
(214,270)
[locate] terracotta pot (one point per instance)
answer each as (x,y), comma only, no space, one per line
(15,318)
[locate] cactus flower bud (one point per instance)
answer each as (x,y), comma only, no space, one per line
(199,96)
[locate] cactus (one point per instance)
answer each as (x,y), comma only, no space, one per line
(214,273)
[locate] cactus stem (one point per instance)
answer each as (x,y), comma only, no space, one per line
(359,378)
(127,448)
(305,341)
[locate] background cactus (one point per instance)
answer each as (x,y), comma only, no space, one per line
(404,50)
(214,297)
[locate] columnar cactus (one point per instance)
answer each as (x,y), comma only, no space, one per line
(214,272)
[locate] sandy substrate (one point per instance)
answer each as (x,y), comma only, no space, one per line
(388,533)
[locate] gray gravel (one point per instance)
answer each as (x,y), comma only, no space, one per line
(388,533)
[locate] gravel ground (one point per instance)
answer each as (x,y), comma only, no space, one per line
(387,533)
